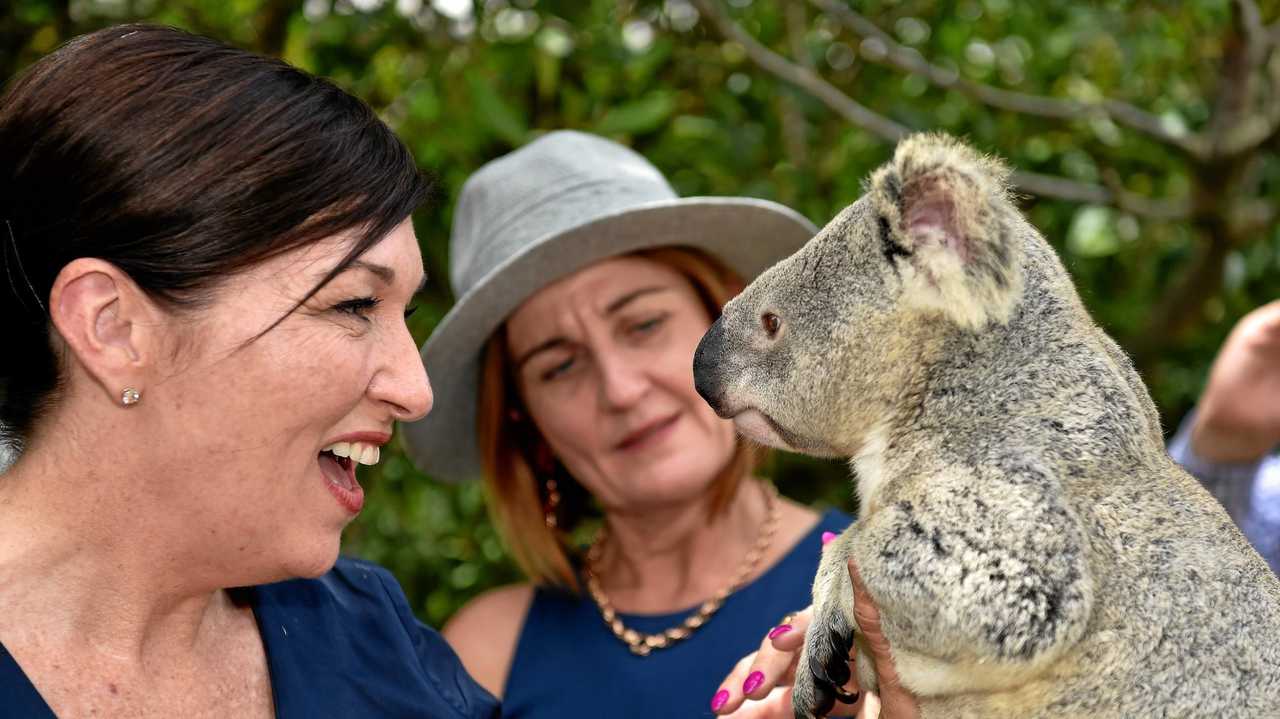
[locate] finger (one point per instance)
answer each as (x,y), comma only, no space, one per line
(770,667)
(891,693)
(777,705)
(869,707)
(728,695)
(1262,324)
(867,616)
(792,639)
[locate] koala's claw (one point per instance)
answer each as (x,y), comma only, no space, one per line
(830,670)
(827,661)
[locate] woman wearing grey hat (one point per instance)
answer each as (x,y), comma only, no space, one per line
(563,377)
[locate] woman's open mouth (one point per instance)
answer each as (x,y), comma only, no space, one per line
(338,465)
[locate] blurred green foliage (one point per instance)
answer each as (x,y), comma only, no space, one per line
(464,82)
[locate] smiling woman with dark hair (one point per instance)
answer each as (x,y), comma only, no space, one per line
(207,259)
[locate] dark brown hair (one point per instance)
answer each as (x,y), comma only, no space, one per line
(180,160)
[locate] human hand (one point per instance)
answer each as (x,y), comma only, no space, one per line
(1238,417)
(897,702)
(759,687)
(770,693)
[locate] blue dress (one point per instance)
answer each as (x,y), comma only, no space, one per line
(568,664)
(344,645)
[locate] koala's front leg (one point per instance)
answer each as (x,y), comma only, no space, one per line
(982,581)
(823,668)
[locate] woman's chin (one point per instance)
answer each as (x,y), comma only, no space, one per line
(668,483)
(315,562)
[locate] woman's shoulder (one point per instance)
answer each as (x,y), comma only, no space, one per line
(314,629)
(485,631)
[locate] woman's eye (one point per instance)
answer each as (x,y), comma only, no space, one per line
(648,325)
(557,370)
(359,306)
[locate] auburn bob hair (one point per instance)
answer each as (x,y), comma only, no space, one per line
(517,462)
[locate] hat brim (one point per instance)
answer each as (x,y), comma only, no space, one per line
(748,235)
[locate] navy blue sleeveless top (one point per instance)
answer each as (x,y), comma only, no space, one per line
(568,664)
(344,645)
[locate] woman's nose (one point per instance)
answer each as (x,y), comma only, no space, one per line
(622,381)
(405,386)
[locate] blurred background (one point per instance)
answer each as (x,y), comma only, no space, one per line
(1145,136)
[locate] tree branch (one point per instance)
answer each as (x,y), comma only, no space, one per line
(1047,186)
(1255,32)
(1233,107)
(1181,304)
(884,49)
(1061,188)
(795,130)
(1231,189)
(775,64)
(271,25)
(1252,129)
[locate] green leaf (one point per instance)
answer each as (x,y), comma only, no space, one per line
(1092,233)
(495,113)
(634,118)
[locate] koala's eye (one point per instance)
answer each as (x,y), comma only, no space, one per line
(771,323)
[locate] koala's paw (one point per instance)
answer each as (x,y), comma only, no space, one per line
(823,668)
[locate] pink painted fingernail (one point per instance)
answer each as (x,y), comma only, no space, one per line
(827,537)
(779,631)
(753,682)
(720,699)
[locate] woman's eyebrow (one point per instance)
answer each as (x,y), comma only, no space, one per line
(384,273)
(544,346)
(613,307)
(622,301)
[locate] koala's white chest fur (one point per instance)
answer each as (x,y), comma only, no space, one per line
(868,465)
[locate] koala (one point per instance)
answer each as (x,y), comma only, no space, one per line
(1032,549)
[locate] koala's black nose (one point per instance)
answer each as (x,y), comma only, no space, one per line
(706,365)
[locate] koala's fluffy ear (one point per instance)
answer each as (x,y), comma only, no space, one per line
(945,222)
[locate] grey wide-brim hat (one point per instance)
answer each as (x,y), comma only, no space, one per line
(525,220)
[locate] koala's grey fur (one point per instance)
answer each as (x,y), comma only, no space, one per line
(1032,549)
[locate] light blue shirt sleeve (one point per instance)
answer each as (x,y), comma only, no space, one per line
(1250,491)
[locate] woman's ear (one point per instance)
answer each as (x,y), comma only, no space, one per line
(107,322)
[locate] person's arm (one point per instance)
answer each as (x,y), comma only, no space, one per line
(1238,419)
(1223,443)
(484,633)
(1231,483)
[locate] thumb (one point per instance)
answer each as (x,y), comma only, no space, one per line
(896,701)
(867,615)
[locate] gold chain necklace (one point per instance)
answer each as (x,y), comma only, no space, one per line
(643,644)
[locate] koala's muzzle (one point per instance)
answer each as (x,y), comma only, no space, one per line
(708,372)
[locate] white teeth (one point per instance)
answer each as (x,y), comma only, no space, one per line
(358,451)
